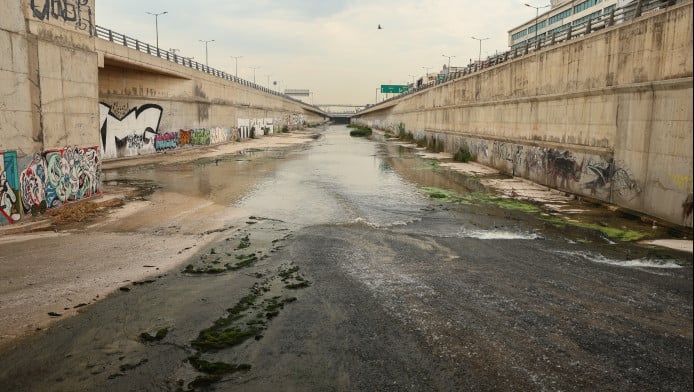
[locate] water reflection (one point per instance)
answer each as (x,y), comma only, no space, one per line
(340,179)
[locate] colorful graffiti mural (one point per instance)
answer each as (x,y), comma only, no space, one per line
(46,180)
(10,204)
(33,186)
(200,137)
(165,141)
(72,174)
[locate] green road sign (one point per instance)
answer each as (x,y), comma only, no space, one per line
(394,88)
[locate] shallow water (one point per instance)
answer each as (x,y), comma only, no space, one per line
(404,291)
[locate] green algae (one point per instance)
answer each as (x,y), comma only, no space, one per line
(480,198)
(623,235)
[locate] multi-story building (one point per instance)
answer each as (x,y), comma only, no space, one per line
(561,15)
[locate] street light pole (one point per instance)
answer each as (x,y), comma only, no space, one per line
(479,59)
(537,15)
(426,73)
(236,59)
(268,81)
(449,62)
(254,68)
(206,42)
(156,23)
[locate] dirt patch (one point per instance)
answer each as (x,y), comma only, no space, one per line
(80,212)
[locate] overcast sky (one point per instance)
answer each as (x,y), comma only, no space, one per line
(331,47)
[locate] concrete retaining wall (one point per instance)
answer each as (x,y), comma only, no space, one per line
(144,96)
(70,100)
(608,115)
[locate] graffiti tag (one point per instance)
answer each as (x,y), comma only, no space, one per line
(69,11)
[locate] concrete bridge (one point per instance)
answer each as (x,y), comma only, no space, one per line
(607,115)
(341,113)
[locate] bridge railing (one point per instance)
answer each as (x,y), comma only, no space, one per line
(574,30)
(153,50)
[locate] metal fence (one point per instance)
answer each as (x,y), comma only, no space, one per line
(630,11)
(132,43)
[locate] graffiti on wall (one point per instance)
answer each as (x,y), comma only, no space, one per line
(183,137)
(608,176)
(219,135)
(130,134)
(72,174)
(295,121)
(33,186)
(562,168)
(74,12)
(9,188)
(165,141)
(200,137)
(46,180)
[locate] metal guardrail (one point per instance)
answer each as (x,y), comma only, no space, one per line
(132,43)
(630,11)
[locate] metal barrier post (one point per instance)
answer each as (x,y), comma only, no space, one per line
(639,8)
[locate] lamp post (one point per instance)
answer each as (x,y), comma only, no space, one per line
(268,81)
(426,74)
(449,62)
(206,42)
(156,23)
(537,15)
(236,62)
(479,59)
(254,68)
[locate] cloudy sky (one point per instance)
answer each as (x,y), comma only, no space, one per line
(331,47)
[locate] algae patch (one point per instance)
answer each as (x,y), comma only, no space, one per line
(480,198)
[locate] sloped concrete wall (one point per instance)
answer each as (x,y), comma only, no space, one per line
(56,106)
(608,115)
(49,87)
(144,96)
(49,112)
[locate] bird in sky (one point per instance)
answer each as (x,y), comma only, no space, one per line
(379,27)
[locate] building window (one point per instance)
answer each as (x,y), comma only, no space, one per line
(609,9)
(519,34)
(558,17)
(538,26)
(585,5)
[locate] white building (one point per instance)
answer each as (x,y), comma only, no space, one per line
(561,15)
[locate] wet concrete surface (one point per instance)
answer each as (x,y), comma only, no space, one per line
(332,269)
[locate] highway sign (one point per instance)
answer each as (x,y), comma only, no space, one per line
(299,92)
(394,88)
